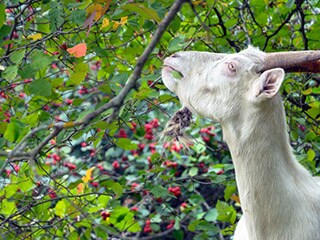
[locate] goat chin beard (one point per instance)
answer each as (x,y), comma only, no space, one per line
(176,126)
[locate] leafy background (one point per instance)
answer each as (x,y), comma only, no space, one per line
(79,125)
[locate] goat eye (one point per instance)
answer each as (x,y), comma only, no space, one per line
(232,67)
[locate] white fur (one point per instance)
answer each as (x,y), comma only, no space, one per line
(279,198)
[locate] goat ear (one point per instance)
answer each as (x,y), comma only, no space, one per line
(270,82)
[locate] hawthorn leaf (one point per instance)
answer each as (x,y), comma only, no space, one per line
(212,215)
(126,144)
(34,37)
(10,190)
(10,72)
(17,56)
(78,51)
(40,87)
(2,14)
(176,75)
(80,72)
(13,131)
(159,191)
(311,155)
(60,208)
(229,190)
(7,207)
(88,175)
(142,10)
(117,188)
(193,171)
(56,15)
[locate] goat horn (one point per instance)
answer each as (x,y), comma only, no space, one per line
(300,61)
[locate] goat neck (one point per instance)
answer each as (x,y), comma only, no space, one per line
(273,186)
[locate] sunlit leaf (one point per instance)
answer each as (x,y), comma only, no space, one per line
(105,23)
(60,208)
(17,56)
(2,14)
(13,131)
(79,74)
(88,175)
(144,11)
(79,50)
(10,72)
(40,87)
(7,207)
(34,37)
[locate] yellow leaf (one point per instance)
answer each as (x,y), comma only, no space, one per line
(68,125)
(98,9)
(78,50)
(105,23)
(115,25)
(36,36)
(80,188)
(235,198)
(123,20)
(87,178)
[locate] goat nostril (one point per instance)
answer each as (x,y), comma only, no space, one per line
(175,55)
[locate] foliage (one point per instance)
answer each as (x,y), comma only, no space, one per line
(80,153)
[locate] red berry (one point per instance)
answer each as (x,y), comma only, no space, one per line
(52,194)
(105,215)
(135,209)
(184,204)
(122,133)
(95,184)
(116,165)
(170,225)
(56,157)
(134,185)
(220,172)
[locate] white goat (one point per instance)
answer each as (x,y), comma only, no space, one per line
(280,200)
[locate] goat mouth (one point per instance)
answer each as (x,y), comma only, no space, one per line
(174,72)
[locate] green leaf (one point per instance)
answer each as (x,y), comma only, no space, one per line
(311,155)
(212,215)
(4,31)
(135,227)
(25,184)
(117,188)
(10,190)
(176,44)
(159,191)
(10,72)
(80,72)
(7,207)
(40,87)
(100,231)
(78,16)
(60,208)
(40,60)
(192,226)
(314,112)
(145,12)
(17,56)
(2,14)
(193,171)
(103,200)
(176,75)
(226,212)
(229,191)
(56,15)
(126,144)
(13,131)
